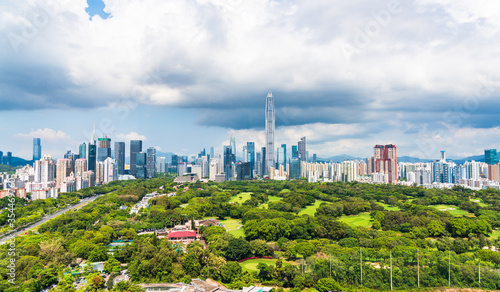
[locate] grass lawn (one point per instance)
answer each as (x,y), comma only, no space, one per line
(389,207)
(183,205)
(362,219)
(251,265)
(454,210)
(310,210)
(238,232)
(231,223)
(479,202)
(244,197)
(271,199)
(284,191)
(495,234)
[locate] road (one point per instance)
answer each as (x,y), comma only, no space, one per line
(45,219)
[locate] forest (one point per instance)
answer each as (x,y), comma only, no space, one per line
(290,235)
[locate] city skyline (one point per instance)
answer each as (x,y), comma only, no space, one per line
(355,75)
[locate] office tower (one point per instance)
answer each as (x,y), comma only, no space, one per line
(37,149)
(284,155)
(45,169)
(314,158)
(490,156)
(80,166)
(295,152)
(119,156)
(103,148)
(301,151)
(1,157)
(151,162)
(135,147)
(82,150)
(110,170)
(243,171)
(263,164)
(161,163)
(174,162)
(8,160)
(251,154)
(443,156)
(211,152)
(92,153)
(141,160)
(386,161)
(258,163)
(270,127)
(202,153)
(442,172)
(280,157)
(295,168)
(63,170)
(228,163)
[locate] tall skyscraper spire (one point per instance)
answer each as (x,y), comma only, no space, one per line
(270,127)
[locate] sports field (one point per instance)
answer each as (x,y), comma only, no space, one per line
(362,219)
(271,199)
(389,207)
(454,210)
(310,210)
(495,234)
(240,198)
(251,265)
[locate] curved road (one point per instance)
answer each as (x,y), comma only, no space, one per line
(47,218)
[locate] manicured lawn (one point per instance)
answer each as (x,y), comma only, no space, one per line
(237,199)
(479,202)
(251,265)
(310,210)
(454,210)
(231,223)
(284,191)
(389,207)
(238,232)
(271,199)
(495,234)
(362,219)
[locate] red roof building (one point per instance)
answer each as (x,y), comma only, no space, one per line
(182,236)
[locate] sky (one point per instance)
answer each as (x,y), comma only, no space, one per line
(186,75)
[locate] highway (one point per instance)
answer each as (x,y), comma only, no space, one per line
(47,218)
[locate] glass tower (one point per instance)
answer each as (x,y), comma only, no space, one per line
(37,149)
(270,127)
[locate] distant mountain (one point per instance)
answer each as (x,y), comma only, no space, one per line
(477,158)
(338,158)
(17,161)
(167,155)
(412,159)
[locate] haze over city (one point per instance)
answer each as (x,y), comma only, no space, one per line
(183,76)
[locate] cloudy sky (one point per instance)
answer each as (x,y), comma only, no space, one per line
(183,75)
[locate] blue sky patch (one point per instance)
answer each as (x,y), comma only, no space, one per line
(96,7)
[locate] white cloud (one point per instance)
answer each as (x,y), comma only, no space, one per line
(45,134)
(131,136)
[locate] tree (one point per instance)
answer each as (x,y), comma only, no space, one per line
(98,254)
(306,249)
(237,249)
(112,265)
(230,271)
(326,284)
(260,248)
(435,228)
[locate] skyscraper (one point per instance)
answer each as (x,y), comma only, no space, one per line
(284,154)
(386,161)
(141,170)
(82,150)
(120,157)
(64,169)
(135,147)
(92,157)
(8,160)
(301,152)
(37,149)
(294,151)
(103,148)
(251,154)
(228,163)
(270,127)
(263,164)
(1,157)
(151,162)
(490,156)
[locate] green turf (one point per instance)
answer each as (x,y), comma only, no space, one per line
(495,234)
(454,210)
(362,219)
(310,210)
(231,223)
(238,232)
(479,202)
(284,191)
(389,207)
(237,199)
(271,199)
(251,265)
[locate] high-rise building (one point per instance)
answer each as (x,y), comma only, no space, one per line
(251,154)
(151,162)
(92,153)
(280,157)
(386,161)
(263,164)
(294,151)
(270,127)
(8,159)
(103,148)
(45,170)
(490,156)
(110,171)
(80,166)
(141,169)
(64,169)
(82,150)
(1,157)
(135,147)
(301,151)
(37,149)
(314,158)
(228,163)
(119,156)
(211,152)
(295,168)
(161,163)
(284,155)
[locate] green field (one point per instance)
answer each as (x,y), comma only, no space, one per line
(284,191)
(362,219)
(237,199)
(251,265)
(231,223)
(495,234)
(271,199)
(479,202)
(238,232)
(454,210)
(310,210)
(389,207)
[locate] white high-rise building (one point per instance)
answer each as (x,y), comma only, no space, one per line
(110,172)
(270,127)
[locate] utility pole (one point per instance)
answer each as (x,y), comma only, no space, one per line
(418,268)
(361,264)
(390,254)
(330,266)
(479,273)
